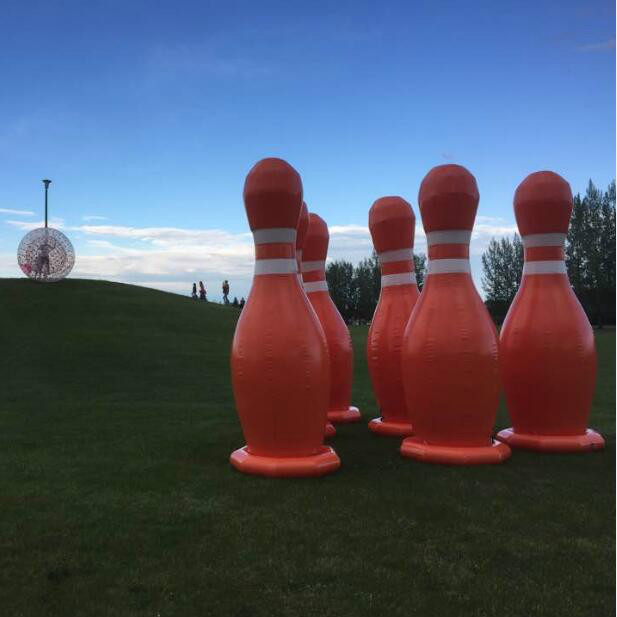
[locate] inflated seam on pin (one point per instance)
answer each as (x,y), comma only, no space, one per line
(449,236)
(448,266)
(399,255)
(402,278)
(545,267)
(274,236)
(275,266)
(534,240)
(309,266)
(315,286)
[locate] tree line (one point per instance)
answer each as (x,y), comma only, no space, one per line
(590,259)
(355,290)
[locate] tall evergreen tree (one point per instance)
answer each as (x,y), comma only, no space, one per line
(502,265)
(608,237)
(575,245)
(590,252)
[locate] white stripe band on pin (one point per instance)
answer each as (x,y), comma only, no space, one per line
(545,267)
(544,240)
(274,236)
(402,278)
(451,236)
(401,255)
(448,266)
(316,286)
(310,266)
(275,266)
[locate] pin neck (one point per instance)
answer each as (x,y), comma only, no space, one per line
(448,244)
(448,236)
(397,267)
(315,286)
(448,251)
(275,235)
(544,254)
(544,247)
(314,276)
(313,271)
(275,251)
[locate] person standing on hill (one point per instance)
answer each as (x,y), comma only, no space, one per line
(202,291)
(194,293)
(225,291)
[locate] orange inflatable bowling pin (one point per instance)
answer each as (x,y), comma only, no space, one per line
(279,358)
(337,335)
(449,359)
(547,349)
(392,225)
(303,224)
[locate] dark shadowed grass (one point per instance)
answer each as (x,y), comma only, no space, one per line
(117,498)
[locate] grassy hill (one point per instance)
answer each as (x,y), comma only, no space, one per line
(117,498)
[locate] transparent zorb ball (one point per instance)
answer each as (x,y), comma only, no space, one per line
(45,254)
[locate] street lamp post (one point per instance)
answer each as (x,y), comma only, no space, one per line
(46,183)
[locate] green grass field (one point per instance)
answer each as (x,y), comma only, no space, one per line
(117,498)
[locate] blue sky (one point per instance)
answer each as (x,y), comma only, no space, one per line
(150,114)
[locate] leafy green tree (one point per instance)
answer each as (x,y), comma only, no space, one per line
(340,277)
(355,291)
(502,266)
(419,264)
(575,245)
(590,252)
(367,283)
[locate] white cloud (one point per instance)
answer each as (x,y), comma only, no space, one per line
(601,46)
(172,258)
(94,217)
(201,60)
(16,212)
(29,226)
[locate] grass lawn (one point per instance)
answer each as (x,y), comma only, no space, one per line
(117,498)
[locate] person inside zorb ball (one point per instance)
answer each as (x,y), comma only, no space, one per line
(46,254)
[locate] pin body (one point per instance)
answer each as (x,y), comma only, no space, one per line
(547,348)
(392,227)
(303,225)
(449,359)
(337,335)
(279,359)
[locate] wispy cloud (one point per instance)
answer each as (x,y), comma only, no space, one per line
(30,225)
(600,46)
(16,212)
(193,60)
(94,217)
(172,258)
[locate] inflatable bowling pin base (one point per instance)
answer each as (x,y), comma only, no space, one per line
(330,430)
(344,416)
(589,441)
(379,426)
(325,462)
(414,447)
